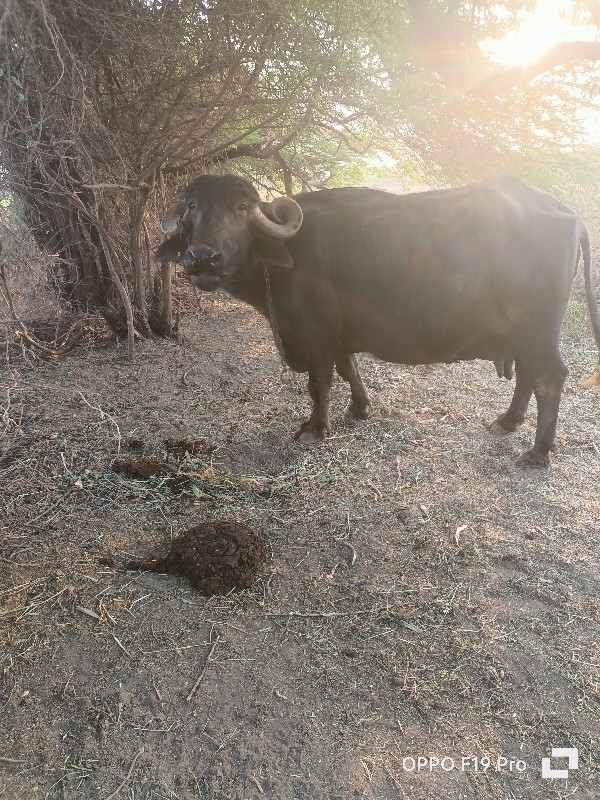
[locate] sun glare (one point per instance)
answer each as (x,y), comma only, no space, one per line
(539,31)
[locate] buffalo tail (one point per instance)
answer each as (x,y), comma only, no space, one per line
(586,250)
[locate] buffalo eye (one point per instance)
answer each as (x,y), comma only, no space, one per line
(243,207)
(191,205)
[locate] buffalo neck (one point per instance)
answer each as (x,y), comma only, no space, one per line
(251,287)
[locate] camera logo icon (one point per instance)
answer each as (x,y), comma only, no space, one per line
(570,753)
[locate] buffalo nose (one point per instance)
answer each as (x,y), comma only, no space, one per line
(202,257)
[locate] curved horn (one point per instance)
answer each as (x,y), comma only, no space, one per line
(284,209)
(172,218)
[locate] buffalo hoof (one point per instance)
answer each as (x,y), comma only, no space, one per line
(358,412)
(505,424)
(309,435)
(533,458)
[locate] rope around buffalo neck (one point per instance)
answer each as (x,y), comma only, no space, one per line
(273,321)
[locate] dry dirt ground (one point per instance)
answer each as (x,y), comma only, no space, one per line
(422,596)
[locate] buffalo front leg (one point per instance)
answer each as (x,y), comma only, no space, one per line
(517,410)
(347,368)
(316,428)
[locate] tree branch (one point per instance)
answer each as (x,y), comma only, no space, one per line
(562,53)
(285,171)
(227,154)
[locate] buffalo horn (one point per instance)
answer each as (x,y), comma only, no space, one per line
(170,222)
(284,209)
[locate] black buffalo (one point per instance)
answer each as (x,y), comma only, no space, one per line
(482,271)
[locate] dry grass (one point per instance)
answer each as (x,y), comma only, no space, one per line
(424,596)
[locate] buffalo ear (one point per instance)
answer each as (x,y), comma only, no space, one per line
(272,252)
(172,249)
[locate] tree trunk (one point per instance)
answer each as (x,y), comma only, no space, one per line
(166,317)
(138,205)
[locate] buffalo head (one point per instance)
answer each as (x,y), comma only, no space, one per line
(221,227)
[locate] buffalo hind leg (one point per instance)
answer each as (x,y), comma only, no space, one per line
(347,368)
(316,428)
(517,410)
(548,382)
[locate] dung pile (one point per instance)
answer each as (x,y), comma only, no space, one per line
(215,557)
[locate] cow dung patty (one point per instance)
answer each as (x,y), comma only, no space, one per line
(142,469)
(215,557)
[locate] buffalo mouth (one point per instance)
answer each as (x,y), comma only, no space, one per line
(203,274)
(205,281)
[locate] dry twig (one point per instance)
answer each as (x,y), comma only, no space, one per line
(127,777)
(104,414)
(203,670)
